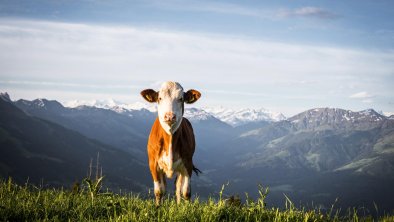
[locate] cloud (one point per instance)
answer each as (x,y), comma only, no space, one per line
(236,9)
(361,95)
(99,53)
(107,59)
(214,7)
(365,97)
(67,84)
(312,12)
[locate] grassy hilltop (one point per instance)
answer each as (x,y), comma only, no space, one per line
(30,203)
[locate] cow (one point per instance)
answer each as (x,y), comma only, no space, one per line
(171,142)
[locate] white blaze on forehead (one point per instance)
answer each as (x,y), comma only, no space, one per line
(170,90)
(169,102)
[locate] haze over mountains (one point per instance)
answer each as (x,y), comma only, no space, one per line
(42,152)
(315,156)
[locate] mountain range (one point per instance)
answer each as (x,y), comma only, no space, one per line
(42,152)
(315,156)
(318,155)
(233,117)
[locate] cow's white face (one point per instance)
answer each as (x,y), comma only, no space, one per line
(170,106)
(170,103)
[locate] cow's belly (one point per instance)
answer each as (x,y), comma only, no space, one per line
(169,167)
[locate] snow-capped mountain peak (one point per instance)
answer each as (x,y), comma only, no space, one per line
(237,117)
(233,117)
(195,114)
(321,118)
(40,102)
(110,104)
(387,114)
(106,103)
(140,106)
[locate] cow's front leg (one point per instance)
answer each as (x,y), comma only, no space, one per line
(159,188)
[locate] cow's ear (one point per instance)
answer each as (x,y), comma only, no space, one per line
(191,96)
(150,95)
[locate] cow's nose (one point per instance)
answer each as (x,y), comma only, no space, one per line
(170,117)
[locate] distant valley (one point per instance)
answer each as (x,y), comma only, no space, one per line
(315,156)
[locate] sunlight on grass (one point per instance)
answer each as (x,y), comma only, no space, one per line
(30,203)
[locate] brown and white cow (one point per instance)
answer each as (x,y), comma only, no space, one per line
(171,141)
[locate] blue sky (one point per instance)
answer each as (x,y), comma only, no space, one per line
(287,56)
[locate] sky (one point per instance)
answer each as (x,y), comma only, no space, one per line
(285,56)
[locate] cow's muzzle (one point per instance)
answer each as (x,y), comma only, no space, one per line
(170,118)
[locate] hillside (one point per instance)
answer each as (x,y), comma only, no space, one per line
(45,153)
(316,156)
(123,129)
(325,140)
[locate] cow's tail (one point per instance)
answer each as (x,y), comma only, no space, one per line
(196,170)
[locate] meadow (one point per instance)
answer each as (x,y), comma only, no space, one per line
(85,202)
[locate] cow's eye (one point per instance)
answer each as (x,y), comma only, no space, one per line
(181,100)
(159,99)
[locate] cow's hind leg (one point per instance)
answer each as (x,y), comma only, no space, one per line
(186,193)
(178,190)
(182,188)
(183,185)
(186,190)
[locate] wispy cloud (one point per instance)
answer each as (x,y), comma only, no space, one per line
(364,96)
(65,84)
(242,10)
(215,7)
(105,58)
(361,95)
(91,54)
(312,12)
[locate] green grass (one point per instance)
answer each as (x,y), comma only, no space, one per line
(29,203)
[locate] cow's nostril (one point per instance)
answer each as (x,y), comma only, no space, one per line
(169,117)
